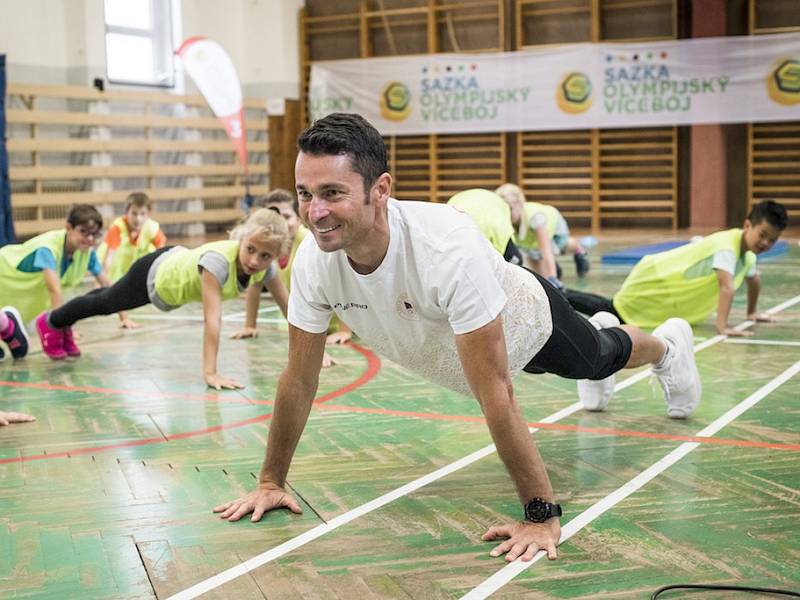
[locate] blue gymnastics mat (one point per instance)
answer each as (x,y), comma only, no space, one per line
(631,256)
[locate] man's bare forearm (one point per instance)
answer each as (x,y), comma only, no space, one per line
(517,449)
(292,407)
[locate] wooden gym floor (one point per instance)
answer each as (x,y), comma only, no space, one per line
(109,493)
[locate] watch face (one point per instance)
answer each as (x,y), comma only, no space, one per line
(537,511)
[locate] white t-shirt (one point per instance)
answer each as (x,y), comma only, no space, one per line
(725,260)
(440,277)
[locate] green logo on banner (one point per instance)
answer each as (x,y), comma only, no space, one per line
(783,83)
(574,93)
(395,101)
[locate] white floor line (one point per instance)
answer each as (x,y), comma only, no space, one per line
(294,543)
(756,342)
(507,573)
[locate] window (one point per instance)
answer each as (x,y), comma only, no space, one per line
(139,42)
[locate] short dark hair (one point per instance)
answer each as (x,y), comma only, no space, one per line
(277,196)
(84,214)
(350,134)
(139,200)
(770,211)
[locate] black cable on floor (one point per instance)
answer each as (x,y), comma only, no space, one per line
(733,588)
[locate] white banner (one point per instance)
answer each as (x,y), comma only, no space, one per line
(578,86)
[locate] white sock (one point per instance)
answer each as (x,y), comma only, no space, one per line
(670,352)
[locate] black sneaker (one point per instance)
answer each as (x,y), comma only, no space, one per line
(17,341)
(581,264)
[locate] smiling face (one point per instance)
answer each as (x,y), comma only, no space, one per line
(335,206)
(82,237)
(759,238)
(256,252)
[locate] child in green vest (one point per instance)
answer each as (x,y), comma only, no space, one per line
(34,274)
(692,280)
(129,238)
(173,276)
(493,217)
(542,233)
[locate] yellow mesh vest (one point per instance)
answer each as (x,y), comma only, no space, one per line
(551,214)
(490,213)
(128,253)
(679,282)
(178,278)
(27,291)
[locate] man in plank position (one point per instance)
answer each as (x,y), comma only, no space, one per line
(420,284)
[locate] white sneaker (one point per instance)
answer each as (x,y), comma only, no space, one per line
(596,395)
(679,378)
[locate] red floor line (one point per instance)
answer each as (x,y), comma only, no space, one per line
(575,428)
(373,367)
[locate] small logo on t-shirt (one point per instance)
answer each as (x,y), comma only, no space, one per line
(348,305)
(405,308)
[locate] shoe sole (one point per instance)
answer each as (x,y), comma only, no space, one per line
(21,326)
(688,339)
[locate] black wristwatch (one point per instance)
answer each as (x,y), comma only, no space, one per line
(538,511)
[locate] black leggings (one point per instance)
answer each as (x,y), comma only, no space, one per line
(576,350)
(128,292)
(512,254)
(590,304)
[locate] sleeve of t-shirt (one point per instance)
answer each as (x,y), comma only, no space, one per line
(38,260)
(269,273)
(160,240)
(538,219)
(94,267)
(724,260)
(308,308)
(113,237)
(465,282)
(216,264)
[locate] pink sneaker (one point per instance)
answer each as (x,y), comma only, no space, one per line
(52,339)
(69,343)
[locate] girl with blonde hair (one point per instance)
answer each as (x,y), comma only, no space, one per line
(542,234)
(173,276)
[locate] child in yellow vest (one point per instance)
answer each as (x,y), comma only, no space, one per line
(34,274)
(691,280)
(542,233)
(285,203)
(173,276)
(493,217)
(130,237)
